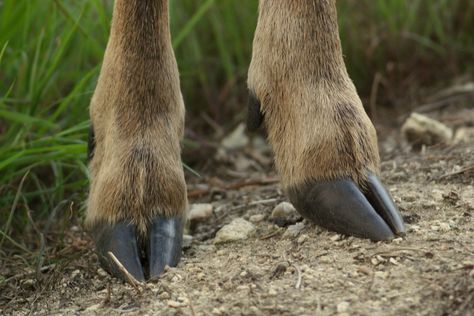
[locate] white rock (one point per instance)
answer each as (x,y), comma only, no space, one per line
(343,307)
(282,210)
(187,241)
(238,229)
(237,139)
(257,218)
(294,230)
(200,212)
(422,130)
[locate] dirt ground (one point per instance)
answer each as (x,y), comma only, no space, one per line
(428,272)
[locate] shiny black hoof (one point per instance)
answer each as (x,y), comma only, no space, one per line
(121,240)
(144,257)
(341,206)
(165,238)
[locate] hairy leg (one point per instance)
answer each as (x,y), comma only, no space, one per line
(137,200)
(325,145)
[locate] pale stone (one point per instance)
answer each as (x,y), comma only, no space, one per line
(237,139)
(238,229)
(293,231)
(421,130)
(200,212)
(343,307)
(282,210)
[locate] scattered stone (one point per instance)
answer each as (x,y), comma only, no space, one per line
(336,237)
(237,139)
(294,230)
(421,130)
(381,274)
(285,214)
(284,209)
(187,241)
(364,270)
(102,272)
(398,240)
(325,259)
(256,218)
(200,212)
(238,229)
(393,261)
(302,239)
(272,291)
(343,307)
(175,304)
(93,308)
(464,135)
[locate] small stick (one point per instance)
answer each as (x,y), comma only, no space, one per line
(468,168)
(130,278)
(298,282)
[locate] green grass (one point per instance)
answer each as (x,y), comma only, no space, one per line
(50,52)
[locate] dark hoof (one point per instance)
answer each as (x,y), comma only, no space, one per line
(121,240)
(160,247)
(164,244)
(341,206)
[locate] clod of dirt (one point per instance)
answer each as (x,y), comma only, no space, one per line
(238,229)
(200,212)
(421,130)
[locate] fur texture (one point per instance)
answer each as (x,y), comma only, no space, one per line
(137,113)
(314,118)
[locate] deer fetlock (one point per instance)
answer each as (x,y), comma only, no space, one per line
(137,201)
(325,145)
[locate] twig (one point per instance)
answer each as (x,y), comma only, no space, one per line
(137,285)
(272,234)
(298,281)
(447,175)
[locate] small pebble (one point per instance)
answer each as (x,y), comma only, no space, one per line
(200,212)
(421,130)
(238,229)
(343,307)
(294,230)
(256,218)
(302,239)
(175,304)
(282,210)
(187,241)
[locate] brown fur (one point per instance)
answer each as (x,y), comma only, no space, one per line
(137,112)
(314,118)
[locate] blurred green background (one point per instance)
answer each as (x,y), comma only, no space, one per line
(51,50)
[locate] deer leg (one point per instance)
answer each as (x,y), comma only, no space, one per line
(324,143)
(137,201)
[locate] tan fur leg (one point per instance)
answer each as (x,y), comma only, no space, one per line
(324,143)
(314,118)
(137,114)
